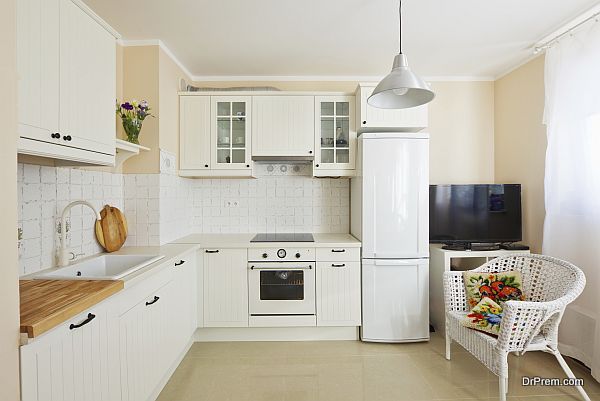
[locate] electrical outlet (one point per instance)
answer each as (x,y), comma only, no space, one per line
(231,203)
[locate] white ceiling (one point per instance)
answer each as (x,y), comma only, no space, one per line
(350,38)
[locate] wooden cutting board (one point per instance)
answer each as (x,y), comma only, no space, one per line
(47,303)
(111,231)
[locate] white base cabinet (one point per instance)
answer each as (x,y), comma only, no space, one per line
(72,363)
(126,351)
(338,293)
(225,288)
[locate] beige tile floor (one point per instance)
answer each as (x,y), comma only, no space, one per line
(355,371)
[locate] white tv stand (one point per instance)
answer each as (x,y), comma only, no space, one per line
(442,260)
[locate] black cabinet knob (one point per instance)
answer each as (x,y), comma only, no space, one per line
(67,137)
(310,151)
(247,165)
(317,165)
(206,165)
(297,255)
(264,255)
(55,135)
(364,122)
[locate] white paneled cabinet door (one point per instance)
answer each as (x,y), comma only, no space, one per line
(87,81)
(183,302)
(338,294)
(282,125)
(412,119)
(69,363)
(225,288)
(38,68)
(194,131)
(230,132)
(144,347)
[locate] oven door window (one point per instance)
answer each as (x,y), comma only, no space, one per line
(282,285)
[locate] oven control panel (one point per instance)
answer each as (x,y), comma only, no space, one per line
(281,254)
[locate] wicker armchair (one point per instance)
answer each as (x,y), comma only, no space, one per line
(550,285)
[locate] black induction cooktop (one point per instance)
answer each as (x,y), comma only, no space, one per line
(283,237)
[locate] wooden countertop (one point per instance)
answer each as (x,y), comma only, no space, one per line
(47,303)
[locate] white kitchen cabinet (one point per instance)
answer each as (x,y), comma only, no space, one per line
(38,68)
(194,133)
(71,363)
(67,82)
(230,130)
(87,81)
(282,125)
(225,288)
(338,293)
(368,117)
(184,301)
(334,136)
(144,343)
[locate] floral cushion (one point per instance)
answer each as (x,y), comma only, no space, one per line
(485,316)
(499,287)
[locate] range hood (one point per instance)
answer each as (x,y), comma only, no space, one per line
(287,159)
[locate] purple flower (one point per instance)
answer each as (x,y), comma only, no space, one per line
(144,105)
(127,106)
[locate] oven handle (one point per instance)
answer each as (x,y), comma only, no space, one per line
(280,268)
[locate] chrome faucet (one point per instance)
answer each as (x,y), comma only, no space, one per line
(63,252)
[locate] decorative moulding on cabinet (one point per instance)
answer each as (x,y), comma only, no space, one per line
(125,150)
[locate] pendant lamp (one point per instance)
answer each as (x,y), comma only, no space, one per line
(401,88)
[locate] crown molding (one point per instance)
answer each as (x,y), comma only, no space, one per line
(161,45)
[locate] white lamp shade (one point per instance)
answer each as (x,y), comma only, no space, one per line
(401,88)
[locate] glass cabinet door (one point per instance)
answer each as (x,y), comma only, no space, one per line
(231,132)
(335,133)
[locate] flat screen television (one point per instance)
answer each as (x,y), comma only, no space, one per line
(481,213)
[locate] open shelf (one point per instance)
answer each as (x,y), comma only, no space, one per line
(125,150)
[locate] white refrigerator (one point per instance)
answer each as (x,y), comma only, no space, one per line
(390,215)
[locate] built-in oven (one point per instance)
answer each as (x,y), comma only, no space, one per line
(281,293)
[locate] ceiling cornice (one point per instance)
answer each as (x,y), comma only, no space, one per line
(159,43)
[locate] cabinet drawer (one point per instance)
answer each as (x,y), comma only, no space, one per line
(335,254)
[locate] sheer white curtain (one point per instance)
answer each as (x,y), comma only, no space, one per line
(572,182)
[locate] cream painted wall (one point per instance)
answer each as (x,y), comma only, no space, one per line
(169,75)
(140,74)
(520,142)
(461,125)
(9,276)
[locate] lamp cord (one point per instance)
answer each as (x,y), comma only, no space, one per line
(400,25)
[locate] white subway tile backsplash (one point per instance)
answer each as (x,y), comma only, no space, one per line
(162,207)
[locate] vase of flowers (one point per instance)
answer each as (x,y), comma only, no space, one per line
(132,116)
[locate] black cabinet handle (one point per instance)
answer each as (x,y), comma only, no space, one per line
(155,300)
(338,250)
(209,251)
(90,317)
(340,265)
(179,263)
(310,151)
(67,137)
(206,165)
(364,122)
(317,165)
(247,165)
(56,135)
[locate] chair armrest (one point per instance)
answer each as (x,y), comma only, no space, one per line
(455,298)
(521,322)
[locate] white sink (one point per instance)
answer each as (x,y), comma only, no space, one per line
(104,267)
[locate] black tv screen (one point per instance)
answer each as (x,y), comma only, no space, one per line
(475,213)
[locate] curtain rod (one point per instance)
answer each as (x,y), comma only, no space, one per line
(554,37)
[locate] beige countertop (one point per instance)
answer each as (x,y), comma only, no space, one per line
(322,240)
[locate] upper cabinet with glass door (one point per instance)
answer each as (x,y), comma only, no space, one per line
(230,131)
(335,136)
